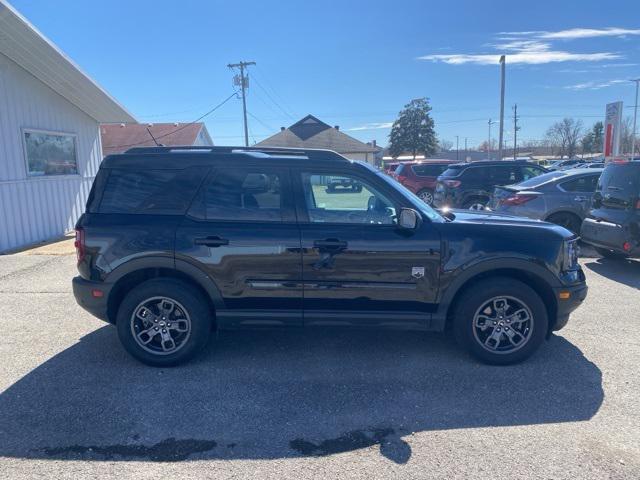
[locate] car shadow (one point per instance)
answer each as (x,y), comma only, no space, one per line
(277,394)
(626,271)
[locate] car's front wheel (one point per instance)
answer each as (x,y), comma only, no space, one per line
(500,321)
(163,322)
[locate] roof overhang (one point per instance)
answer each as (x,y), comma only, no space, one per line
(25,45)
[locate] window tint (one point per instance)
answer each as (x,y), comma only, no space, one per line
(530,172)
(432,170)
(167,192)
(581,184)
(502,175)
(345,199)
(544,178)
(453,171)
(242,195)
(399,169)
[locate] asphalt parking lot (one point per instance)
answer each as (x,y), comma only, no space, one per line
(303,405)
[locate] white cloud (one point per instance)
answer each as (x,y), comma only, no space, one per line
(595,85)
(533,57)
(573,33)
(371,126)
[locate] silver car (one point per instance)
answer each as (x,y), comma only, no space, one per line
(562,197)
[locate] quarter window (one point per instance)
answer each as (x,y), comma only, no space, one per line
(345,199)
(242,195)
(50,153)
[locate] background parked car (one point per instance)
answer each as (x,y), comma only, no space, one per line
(421,177)
(561,197)
(390,167)
(471,185)
(613,224)
(564,164)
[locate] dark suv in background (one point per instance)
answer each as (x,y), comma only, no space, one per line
(174,244)
(613,224)
(470,185)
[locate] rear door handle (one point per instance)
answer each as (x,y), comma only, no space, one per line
(212,241)
(330,243)
(580,198)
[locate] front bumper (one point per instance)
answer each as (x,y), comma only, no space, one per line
(568,299)
(84,291)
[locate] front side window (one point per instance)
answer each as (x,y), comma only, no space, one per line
(50,153)
(243,195)
(345,199)
(502,175)
(432,170)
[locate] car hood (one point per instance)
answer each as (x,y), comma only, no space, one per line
(501,220)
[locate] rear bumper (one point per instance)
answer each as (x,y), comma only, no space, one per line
(84,291)
(576,295)
(609,235)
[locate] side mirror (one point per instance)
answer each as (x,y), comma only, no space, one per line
(409,219)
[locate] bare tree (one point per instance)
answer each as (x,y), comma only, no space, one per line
(445,145)
(626,136)
(564,136)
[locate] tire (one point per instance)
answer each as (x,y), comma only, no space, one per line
(610,254)
(475,203)
(183,306)
(426,196)
(567,220)
(473,322)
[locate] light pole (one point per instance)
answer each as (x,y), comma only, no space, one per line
(489,143)
(635,117)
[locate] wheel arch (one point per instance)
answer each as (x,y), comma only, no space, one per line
(536,278)
(140,272)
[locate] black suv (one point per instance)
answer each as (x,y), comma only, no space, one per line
(470,185)
(176,242)
(613,224)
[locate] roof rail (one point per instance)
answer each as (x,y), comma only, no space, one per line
(310,153)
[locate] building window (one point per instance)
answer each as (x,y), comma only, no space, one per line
(50,153)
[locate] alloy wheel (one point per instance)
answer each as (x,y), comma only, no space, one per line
(426,197)
(503,325)
(160,325)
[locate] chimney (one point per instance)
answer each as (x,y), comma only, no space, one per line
(337,127)
(373,142)
(282,129)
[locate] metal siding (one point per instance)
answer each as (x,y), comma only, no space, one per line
(33,209)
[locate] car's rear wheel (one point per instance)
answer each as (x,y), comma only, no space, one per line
(163,322)
(476,203)
(567,220)
(610,254)
(500,321)
(426,196)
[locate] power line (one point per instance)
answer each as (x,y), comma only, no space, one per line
(275,93)
(272,99)
(260,121)
(183,126)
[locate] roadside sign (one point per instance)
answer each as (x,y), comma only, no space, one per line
(612,124)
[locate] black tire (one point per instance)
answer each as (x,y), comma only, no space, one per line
(474,201)
(610,254)
(481,293)
(567,220)
(426,196)
(185,298)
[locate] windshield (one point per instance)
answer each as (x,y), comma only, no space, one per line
(542,179)
(417,203)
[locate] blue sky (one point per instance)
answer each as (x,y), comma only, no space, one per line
(353,63)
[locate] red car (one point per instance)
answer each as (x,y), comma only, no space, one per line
(420,176)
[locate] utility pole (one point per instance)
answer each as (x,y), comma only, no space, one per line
(635,117)
(515,131)
(465,149)
(502,62)
(491,122)
(457,150)
(243,82)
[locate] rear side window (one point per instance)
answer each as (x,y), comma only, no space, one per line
(241,195)
(452,171)
(502,175)
(585,184)
(429,170)
(164,192)
(530,171)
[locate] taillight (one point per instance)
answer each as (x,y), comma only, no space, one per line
(79,244)
(452,183)
(638,204)
(517,199)
(401,178)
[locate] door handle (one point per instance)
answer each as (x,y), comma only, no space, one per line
(212,241)
(330,243)
(580,198)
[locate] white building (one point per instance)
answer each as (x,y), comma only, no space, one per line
(50,147)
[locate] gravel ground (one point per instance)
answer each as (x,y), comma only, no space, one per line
(276,404)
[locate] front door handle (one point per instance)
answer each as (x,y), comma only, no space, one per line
(580,198)
(330,244)
(212,241)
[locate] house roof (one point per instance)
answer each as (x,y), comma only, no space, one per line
(121,137)
(24,44)
(310,132)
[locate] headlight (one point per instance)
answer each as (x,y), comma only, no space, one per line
(570,255)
